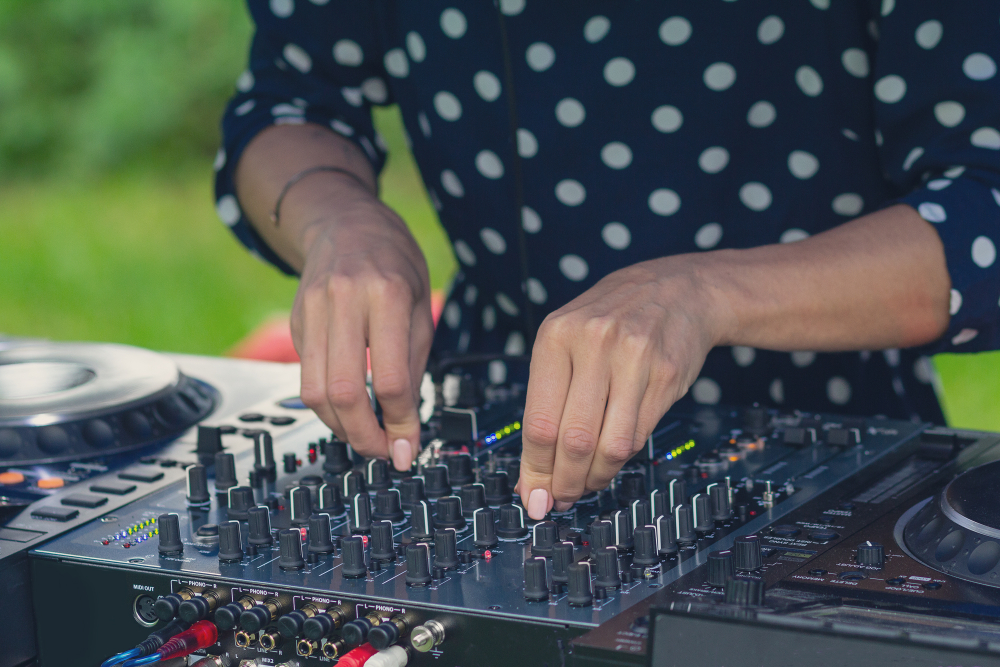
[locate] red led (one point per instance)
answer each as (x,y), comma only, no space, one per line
(487,554)
(127,545)
(364,540)
(298,462)
(304,532)
(105,542)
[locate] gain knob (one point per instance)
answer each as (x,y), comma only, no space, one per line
(460,469)
(448,513)
(543,536)
(720,568)
(259,519)
(666,536)
(230,542)
(631,487)
(377,475)
(382,548)
(646,552)
(497,489)
(683,525)
(445,549)
(330,500)
(607,568)
(511,524)
(581,592)
(335,457)
(353,483)
(659,504)
(353,553)
(721,508)
(436,482)
(642,513)
(747,553)
(240,501)
(360,517)
(676,492)
(197,486)
(225,474)
(301,505)
(473,498)
(422,522)
(168,527)
(484,528)
(622,522)
(320,535)
(418,565)
(702,512)
(536,587)
(290,545)
(411,492)
(388,507)
(562,558)
(871,555)
(602,534)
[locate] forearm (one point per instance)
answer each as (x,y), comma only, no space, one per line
(876,282)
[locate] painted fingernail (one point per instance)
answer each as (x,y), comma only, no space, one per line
(401,454)
(538,504)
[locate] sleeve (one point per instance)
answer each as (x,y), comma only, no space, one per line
(309,62)
(937,114)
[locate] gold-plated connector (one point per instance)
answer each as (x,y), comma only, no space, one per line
(334,648)
(340,613)
(244,638)
(269,640)
(306,647)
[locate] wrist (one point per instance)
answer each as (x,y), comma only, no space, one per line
(711,291)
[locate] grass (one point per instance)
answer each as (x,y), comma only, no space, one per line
(140,258)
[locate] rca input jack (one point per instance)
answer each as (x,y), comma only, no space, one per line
(306,647)
(334,648)
(269,640)
(244,639)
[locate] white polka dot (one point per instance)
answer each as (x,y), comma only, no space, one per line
(878,137)
(228,209)
(932,212)
(451,184)
(803,165)
(938,184)
(348,53)
(616,235)
(465,253)
(984,253)
(471,293)
(515,344)
(964,336)
(497,372)
(761,114)
(809,81)
(425,125)
(890,89)
(979,67)
(802,358)
(777,388)
(770,30)
(488,164)
(340,127)
(245,82)
(596,28)
(708,235)
(530,220)
(667,118)
(996,195)
(452,315)
(912,157)
(675,31)
(447,106)
(570,192)
(489,318)
(891,357)
(527,145)
(850,134)
(569,112)
(616,155)
(511,7)
(487,85)
(713,160)
(245,108)
(282,8)
(838,390)
(897,386)
(719,76)
(286,110)
(415,46)
(375,90)
(706,391)
(755,196)
(820,4)
(855,61)
(536,291)
(619,71)
(540,56)
(955,303)
(743,356)
(396,63)
(849,204)
(453,23)
(573,267)
(986,137)
(888,6)
(507,304)
(793,235)
(923,370)
(297,57)
(929,34)
(954,172)
(949,114)
(220,159)
(493,240)
(353,96)
(664,201)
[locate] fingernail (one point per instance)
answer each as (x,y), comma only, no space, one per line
(401,454)
(538,504)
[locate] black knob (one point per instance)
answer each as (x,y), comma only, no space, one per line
(744,591)
(377,475)
(436,482)
(484,528)
(543,536)
(356,632)
(383,636)
(676,492)
(197,485)
(291,624)
(330,500)
(702,510)
(562,558)
(622,522)
(411,492)
(418,565)
(230,542)
(353,553)
(607,568)
(460,469)
(602,534)
(536,587)
(225,473)
(290,545)
(166,607)
(209,443)
(511,524)
(720,568)
(445,549)
(388,507)
(642,514)
(722,510)
(290,463)
(871,554)
(255,618)
(360,517)
(631,486)
(667,535)
(382,547)
(684,525)
(263,455)
(755,421)
(194,610)
(513,473)
(168,527)
(318,626)
(473,497)
(581,593)
(497,489)
(335,457)
(301,505)
(320,537)
(646,551)
(747,553)
(240,500)
(422,521)
(448,513)
(659,504)
(227,616)
(259,519)
(353,483)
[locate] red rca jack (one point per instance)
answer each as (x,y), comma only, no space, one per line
(200,635)
(357,657)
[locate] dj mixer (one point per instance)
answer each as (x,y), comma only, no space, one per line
(737,536)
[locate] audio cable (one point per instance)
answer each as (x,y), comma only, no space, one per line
(200,635)
(155,640)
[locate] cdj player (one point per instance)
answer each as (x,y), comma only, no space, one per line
(234,530)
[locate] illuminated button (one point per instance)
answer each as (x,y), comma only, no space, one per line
(11,478)
(51,483)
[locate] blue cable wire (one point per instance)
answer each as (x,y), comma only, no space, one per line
(148,660)
(121,657)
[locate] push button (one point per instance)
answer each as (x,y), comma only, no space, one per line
(51,483)
(138,475)
(112,487)
(89,500)
(55,513)
(10,478)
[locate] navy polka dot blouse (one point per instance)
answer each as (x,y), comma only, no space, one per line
(560,141)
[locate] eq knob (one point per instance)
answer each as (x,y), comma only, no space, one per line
(360,517)
(646,552)
(659,504)
(497,489)
(263,456)
(301,505)
(377,475)
(581,592)
(411,492)
(473,498)
(622,522)
(747,553)
(602,534)
(684,525)
(240,500)
(631,486)
(418,565)
(720,568)
(225,474)
(676,492)
(290,546)
(536,587)
(388,507)
(871,555)
(330,500)
(448,513)
(642,513)
(460,469)
(721,508)
(511,524)
(382,548)
(445,549)
(335,458)
(607,568)
(437,482)
(320,536)
(666,536)
(543,536)
(353,553)
(562,558)
(230,542)
(353,483)
(197,486)
(169,530)
(259,519)
(422,522)
(702,512)
(484,528)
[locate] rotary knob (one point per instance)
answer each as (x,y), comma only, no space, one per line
(497,489)
(536,587)
(411,492)
(642,514)
(290,544)
(720,568)
(744,591)
(460,469)
(387,507)
(330,500)
(747,553)
(702,513)
(622,522)
(602,534)
(721,508)
(581,593)
(353,483)
(871,555)
(383,549)
(335,457)
(631,487)
(259,519)
(448,513)
(301,502)
(684,525)
(543,536)
(197,486)
(360,517)
(422,522)
(290,463)
(484,528)
(377,475)
(473,498)
(320,536)
(607,568)
(511,524)
(659,504)
(418,565)
(445,549)
(263,456)
(240,500)
(646,552)
(353,553)
(225,473)
(667,536)
(562,558)
(169,528)
(230,542)
(676,492)
(437,482)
